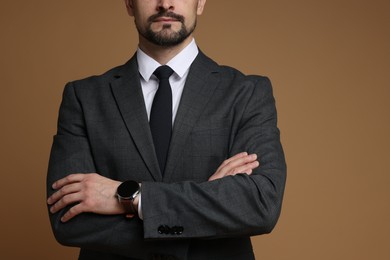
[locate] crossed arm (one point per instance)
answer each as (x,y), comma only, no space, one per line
(96,194)
(226,205)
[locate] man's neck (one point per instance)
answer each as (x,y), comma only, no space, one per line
(162,54)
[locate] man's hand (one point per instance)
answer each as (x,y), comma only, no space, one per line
(239,163)
(90,192)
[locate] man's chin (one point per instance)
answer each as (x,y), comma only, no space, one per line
(168,36)
(168,31)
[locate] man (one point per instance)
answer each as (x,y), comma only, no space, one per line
(124,184)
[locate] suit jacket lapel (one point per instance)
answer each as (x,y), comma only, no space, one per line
(201,82)
(128,94)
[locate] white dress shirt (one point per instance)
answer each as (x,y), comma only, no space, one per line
(180,64)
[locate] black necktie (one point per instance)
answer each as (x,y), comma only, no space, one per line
(161,115)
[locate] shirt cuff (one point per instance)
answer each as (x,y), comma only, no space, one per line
(139,207)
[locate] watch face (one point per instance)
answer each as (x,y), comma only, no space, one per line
(128,188)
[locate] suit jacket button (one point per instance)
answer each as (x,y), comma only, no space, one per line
(174,230)
(180,230)
(167,230)
(161,230)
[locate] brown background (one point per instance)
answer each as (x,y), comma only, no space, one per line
(329,62)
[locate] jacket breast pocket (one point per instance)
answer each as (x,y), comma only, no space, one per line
(210,138)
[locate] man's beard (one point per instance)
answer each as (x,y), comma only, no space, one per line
(166,37)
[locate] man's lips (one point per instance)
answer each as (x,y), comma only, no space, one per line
(165,19)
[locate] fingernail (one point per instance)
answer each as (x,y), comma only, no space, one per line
(54,186)
(254,156)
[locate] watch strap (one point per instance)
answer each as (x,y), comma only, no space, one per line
(128,205)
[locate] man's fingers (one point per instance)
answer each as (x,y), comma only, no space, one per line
(65,190)
(237,156)
(247,168)
(65,201)
(223,167)
(76,177)
(236,163)
(72,212)
(240,163)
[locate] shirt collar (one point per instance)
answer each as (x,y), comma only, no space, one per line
(180,63)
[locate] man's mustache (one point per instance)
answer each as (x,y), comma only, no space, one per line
(178,17)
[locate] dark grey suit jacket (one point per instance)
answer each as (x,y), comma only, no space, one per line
(103,128)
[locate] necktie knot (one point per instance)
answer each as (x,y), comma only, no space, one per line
(163,72)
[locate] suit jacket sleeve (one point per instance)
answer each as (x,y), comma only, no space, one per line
(91,137)
(71,153)
(232,206)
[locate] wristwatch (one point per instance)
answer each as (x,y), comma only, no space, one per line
(126,193)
